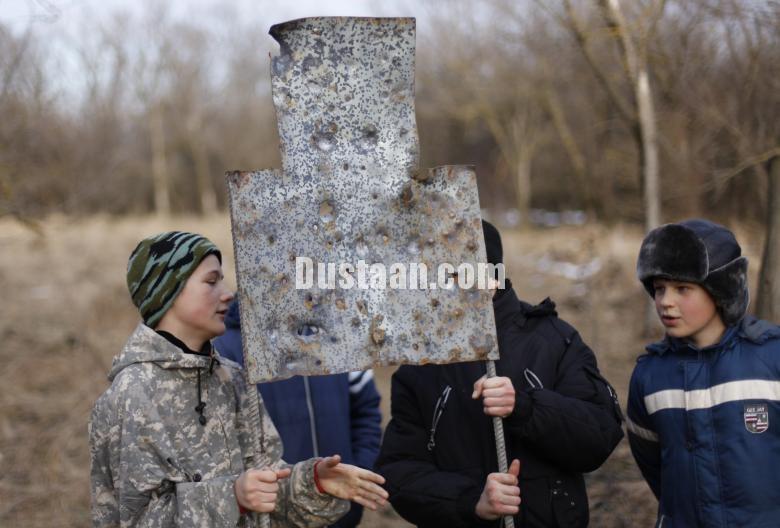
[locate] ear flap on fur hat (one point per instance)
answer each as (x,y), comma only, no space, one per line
(686,251)
(728,286)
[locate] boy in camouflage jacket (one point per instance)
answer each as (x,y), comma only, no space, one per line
(177,440)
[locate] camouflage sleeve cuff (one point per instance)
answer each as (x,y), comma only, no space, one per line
(304,500)
(208,503)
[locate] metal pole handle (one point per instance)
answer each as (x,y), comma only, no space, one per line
(498,429)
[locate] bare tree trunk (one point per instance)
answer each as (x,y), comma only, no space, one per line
(636,64)
(649,149)
(162,198)
(576,157)
(768,305)
(523,184)
(206,193)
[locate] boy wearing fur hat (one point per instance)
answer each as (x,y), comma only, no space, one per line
(176,440)
(703,403)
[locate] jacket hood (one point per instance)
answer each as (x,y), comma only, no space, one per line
(757,331)
(145,345)
(506,305)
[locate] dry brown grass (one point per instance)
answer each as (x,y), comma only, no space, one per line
(66,313)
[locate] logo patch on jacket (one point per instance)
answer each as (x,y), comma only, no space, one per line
(756,417)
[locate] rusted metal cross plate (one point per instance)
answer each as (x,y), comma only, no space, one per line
(350,190)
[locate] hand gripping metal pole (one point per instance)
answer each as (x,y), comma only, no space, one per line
(498,429)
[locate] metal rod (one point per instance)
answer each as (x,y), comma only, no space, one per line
(498,429)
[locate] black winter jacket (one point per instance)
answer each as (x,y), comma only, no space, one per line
(439,446)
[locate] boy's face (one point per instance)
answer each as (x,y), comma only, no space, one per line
(688,311)
(199,310)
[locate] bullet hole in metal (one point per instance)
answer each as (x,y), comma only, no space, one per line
(292,257)
(327,211)
(369,137)
(310,63)
(481,347)
(415,346)
(402,132)
(338,236)
(282,279)
(345,166)
(355,321)
(329,244)
(435,303)
(341,304)
(471,245)
(377,333)
(314,86)
(309,301)
(308,332)
(324,141)
(361,306)
(271,239)
(407,195)
(421,176)
(361,248)
(383,234)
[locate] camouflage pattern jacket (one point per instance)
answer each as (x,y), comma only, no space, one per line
(154,464)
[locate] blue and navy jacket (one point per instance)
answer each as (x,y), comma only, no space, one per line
(704,428)
(318,415)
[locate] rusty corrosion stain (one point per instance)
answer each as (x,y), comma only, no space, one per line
(350,189)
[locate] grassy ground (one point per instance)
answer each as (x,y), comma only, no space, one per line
(65,313)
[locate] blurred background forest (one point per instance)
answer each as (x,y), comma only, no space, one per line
(587,120)
(114,113)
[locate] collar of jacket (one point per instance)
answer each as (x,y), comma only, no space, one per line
(681,346)
(756,331)
(145,345)
(204,351)
(507,307)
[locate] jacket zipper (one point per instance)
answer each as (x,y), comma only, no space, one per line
(312,420)
(437,412)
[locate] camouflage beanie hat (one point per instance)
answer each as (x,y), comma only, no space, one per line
(159,267)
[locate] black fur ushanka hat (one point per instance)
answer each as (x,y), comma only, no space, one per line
(701,252)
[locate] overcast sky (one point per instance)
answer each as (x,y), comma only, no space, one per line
(65,24)
(64,15)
